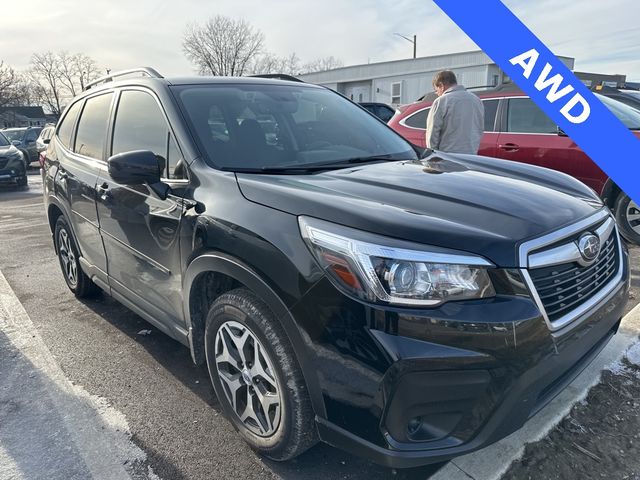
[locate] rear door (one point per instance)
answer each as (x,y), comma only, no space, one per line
(140,230)
(530,136)
(80,160)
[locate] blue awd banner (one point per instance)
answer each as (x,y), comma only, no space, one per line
(552,86)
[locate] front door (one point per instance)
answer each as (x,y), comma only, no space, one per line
(140,230)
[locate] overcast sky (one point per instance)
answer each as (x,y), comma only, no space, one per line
(603,36)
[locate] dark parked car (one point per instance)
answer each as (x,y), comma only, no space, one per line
(25,139)
(628,97)
(12,166)
(45,137)
(381,110)
(340,284)
(516,129)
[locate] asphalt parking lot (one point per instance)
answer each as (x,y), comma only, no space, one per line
(169,404)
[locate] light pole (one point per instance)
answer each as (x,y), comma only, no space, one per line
(414,41)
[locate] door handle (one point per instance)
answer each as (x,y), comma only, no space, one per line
(103,191)
(509,147)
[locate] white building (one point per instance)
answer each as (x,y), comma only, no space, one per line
(404,81)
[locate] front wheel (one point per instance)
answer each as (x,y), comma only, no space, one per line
(627,214)
(77,281)
(256,376)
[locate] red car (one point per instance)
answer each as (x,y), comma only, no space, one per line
(516,129)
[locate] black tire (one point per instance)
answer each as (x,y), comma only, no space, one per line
(23,180)
(296,430)
(77,281)
(625,210)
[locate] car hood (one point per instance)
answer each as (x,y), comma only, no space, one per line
(8,150)
(474,204)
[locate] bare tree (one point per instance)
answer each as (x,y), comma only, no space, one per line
(270,63)
(322,64)
(222,46)
(48,86)
(8,79)
(58,77)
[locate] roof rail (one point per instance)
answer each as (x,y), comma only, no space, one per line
(148,71)
(278,76)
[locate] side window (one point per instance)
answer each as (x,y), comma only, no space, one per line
(66,127)
(418,119)
(524,116)
(32,136)
(141,125)
(92,128)
(490,110)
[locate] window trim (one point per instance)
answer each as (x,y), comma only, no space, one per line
(119,91)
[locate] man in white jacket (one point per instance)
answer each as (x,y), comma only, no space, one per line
(456,121)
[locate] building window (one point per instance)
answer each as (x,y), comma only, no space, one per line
(396,92)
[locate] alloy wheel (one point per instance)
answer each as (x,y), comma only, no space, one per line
(248,378)
(68,258)
(633,216)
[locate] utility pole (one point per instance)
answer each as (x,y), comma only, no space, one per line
(414,41)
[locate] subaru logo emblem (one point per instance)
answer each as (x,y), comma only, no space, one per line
(589,246)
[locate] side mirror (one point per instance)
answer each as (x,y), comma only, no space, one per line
(16,143)
(561,133)
(137,168)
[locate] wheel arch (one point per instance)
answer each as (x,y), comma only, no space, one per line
(219,272)
(610,193)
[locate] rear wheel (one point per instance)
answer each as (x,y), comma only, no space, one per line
(627,214)
(77,281)
(256,376)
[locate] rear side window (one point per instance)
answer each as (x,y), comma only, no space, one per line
(490,110)
(418,119)
(524,116)
(92,129)
(31,136)
(384,113)
(141,125)
(66,127)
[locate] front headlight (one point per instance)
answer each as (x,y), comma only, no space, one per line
(17,155)
(391,273)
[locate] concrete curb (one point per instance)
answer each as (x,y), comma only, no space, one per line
(492,462)
(51,428)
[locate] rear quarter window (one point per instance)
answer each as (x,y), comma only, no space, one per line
(418,119)
(65,129)
(92,127)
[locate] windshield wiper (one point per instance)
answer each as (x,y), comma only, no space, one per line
(312,167)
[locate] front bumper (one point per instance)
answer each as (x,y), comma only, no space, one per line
(405,389)
(11,176)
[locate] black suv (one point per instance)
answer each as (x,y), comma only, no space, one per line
(13,169)
(24,138)
(405,305)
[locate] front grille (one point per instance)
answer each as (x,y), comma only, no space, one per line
(563,288)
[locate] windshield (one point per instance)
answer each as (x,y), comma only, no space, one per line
(13,134)
(627,115)
(261,127)
(3,141)
(633,93)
